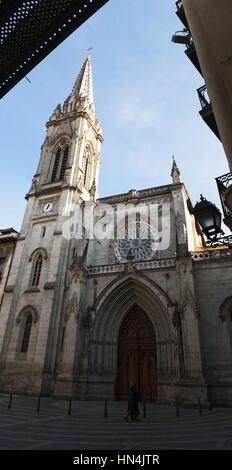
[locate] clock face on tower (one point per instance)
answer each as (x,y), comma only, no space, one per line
(47,207)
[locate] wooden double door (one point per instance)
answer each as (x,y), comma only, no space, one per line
(137,356)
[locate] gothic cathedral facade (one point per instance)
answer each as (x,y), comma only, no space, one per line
(82,315)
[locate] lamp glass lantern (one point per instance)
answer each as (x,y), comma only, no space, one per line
(209,217)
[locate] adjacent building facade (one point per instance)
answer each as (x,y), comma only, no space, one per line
(210,26)
(8,238)
(102,291)
(206,34)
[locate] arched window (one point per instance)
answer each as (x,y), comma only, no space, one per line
(64,163)
(56,164)
(36,270)
(86,166)
(26,334)
(86,171)
(60,162)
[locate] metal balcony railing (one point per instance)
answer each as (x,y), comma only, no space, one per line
(191,53)
(203,96)
(182,37)
(181,13)
(206,112)
(223,182)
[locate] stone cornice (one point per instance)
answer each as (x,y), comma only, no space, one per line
(136,195)
(49,190)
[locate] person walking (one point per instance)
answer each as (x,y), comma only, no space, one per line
(133,403)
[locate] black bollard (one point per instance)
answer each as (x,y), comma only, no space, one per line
(38,405)
(70,407)
(177,408)
(200,408)
(106,410)
(210,407)
(144,409)
(10,402)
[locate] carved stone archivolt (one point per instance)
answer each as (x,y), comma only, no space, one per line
(110,312)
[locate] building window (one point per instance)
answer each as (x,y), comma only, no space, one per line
(64,163)
(43,231)
(36,270)
(56,165)
(62,339)
(2,262)
(60,163)
(26,334)
(86,171)
(87,166)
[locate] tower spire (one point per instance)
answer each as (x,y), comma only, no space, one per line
(81,97)
(83,87)
(175,173)
(78,137)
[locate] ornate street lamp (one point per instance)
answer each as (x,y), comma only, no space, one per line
(210,219)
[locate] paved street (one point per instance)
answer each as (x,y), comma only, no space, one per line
(23,428)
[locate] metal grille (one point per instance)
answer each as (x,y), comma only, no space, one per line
(31,29)
(223,182)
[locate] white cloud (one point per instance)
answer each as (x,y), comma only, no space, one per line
(133,110)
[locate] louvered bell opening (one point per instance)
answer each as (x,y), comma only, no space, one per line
(56,164)
(64,163)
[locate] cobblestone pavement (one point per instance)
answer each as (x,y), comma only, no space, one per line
(22,427)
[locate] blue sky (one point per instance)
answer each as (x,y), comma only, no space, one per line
(145,97)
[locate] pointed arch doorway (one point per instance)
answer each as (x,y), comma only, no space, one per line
(137,356)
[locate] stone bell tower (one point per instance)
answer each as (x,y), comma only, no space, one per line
(73,125)
(30,323)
